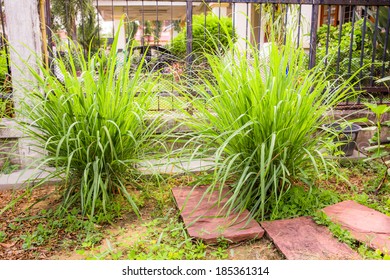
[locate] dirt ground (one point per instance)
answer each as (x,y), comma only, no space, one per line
(22,219)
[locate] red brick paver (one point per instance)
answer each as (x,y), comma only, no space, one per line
(365,224)
(302,239)
(206,220)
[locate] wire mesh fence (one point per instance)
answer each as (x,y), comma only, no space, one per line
(343,38)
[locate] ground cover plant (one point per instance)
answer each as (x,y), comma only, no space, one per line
(32,230)
(260,118)
(93,126)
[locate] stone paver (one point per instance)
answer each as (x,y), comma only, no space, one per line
(205,220)
(302,239)
(24,178)
(364,224)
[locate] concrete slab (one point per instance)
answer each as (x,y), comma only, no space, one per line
(205,219)
(365,224)
(302,239)
(24,178)
(175,166)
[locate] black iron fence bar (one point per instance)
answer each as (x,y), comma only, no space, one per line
(374,46)
(339,43)
(98,19)
(363,39)
(351,40)
(313,36)
(259,31)
(189,32)
(4,38)
(285,24)
(327,35)
(113,20)
(304,2)
(299,23)
(386,42)
(143,23)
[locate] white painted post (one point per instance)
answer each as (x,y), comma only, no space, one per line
(305,26)
(242,23)
(219,9)
(122,36)
(24,37)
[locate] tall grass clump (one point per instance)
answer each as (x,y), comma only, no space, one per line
(92,125)
(259,117)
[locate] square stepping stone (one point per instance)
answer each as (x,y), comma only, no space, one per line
(302,239)
(205,219)
(365,224)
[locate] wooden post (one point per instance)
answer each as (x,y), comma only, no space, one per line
(24,37)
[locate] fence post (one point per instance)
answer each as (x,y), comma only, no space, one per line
(313,33)
(24,37)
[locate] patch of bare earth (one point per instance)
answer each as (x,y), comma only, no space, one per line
(25,215)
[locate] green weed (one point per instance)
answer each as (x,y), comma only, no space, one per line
(297,202)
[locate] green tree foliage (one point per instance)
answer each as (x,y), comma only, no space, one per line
(88,31)
(65,13)
(131,29)
(207,38)
(157,28)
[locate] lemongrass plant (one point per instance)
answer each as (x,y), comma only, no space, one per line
(92,125)
(259,117)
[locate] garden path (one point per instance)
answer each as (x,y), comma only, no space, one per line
(299,238)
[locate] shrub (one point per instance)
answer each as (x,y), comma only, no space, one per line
(259,119)
(207,38)
(93,127)
(341,61)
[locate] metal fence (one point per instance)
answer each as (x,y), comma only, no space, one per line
(342,36)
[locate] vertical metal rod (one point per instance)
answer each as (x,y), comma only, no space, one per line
(299,24)
(246,28)
(67,13)
(49,26)
(351,41)
(363,39)
(82,28)
(98,19)
(234,17)
(205,21)
(128,40)
(42,19)
(219,24)
(172,29)
(189,34)
(273,12)
(143,24)
(374,45)
(49,33)
(156,26)
(339,43)
(113,20)
(313,36)
(327,35)
(387,31)
(285,24)
(260,8)
(172,24)
(4,38)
